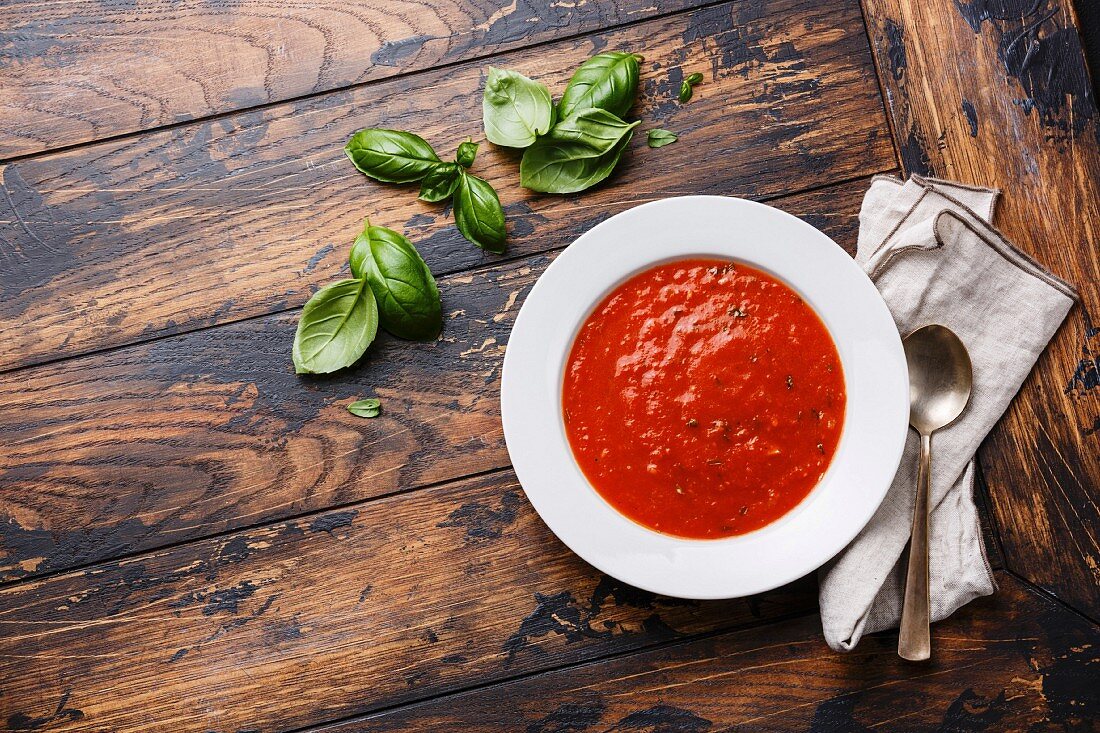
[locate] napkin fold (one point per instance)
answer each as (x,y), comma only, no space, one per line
(929,247)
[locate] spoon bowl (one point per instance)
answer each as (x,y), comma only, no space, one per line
(940,377)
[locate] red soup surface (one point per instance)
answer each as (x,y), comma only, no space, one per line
(703,398)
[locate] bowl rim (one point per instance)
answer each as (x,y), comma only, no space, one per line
(804,258)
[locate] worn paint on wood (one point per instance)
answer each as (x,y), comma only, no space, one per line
(1014,109)
(186,436)
(70,75)
(210,222)
(1013,662)
(295,624)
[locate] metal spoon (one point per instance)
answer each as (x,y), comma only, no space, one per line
(940,378)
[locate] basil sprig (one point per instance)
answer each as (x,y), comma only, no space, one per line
(391,285)
(579,152)
(515,109)
(393,156)
(575,145)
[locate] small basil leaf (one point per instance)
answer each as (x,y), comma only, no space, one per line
(335,328)
(606,81)
(440,183)
(660,138)
(391,156)
(478,213)
(694,79)
(408,299)
(685,91)
(467,151)
(515,109)
(578,153)
(366,408)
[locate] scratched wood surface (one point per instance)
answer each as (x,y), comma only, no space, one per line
(70,75)
(1015,110)
(1037,672)
(192,538)
(260,208)
(367,606)
(219,433)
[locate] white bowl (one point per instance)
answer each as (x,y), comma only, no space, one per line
(875,376)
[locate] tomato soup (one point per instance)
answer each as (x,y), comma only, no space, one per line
(703,398)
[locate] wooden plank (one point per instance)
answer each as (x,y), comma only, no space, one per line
(1015,662)
(244,215)
(336,614)
(71,75)
(201,433)
(1014,109)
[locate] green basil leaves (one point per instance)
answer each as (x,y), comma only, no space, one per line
(687,86)
(607,81)
(391,284)
(366,408)
(515,109)
(575,144)
(578,153)
(478,213)
(440,183)
(391,156)
(660,138)
(408,299)
(336,327)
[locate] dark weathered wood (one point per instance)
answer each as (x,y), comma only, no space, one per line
(1013,108)
(336,614)
(70,74)
(213,221)
(1012,663)
(168,441)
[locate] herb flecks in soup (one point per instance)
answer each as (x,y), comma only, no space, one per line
(703,398)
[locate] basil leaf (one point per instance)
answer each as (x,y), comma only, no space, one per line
(391,156)
(440,183)
(515,109)
(660,138)
(694,79)
(408,299)
(478,213)
(606,81)
(366,408)
(467,151)
(578,153)
(335,328)
(685,91)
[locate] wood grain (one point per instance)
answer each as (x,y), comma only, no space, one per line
(70,74)
(340,613)
(235,217)
(1014,109)
(186,436)
(1014,662)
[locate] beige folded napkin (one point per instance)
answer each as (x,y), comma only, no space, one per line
(929,247)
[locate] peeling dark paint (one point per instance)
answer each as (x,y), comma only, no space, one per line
(971,117)
(333,521)
(972,713)
(61,714)
(837,715)
(397,53)
(365,593)
(482,522)
(569,717)
(895,49)
(316,259)
(914,155)
(663,719)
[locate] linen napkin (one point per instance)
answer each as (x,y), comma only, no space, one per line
(929,247)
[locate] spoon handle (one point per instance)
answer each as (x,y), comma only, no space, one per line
(914,642)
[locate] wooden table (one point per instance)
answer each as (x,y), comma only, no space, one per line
(192,538)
